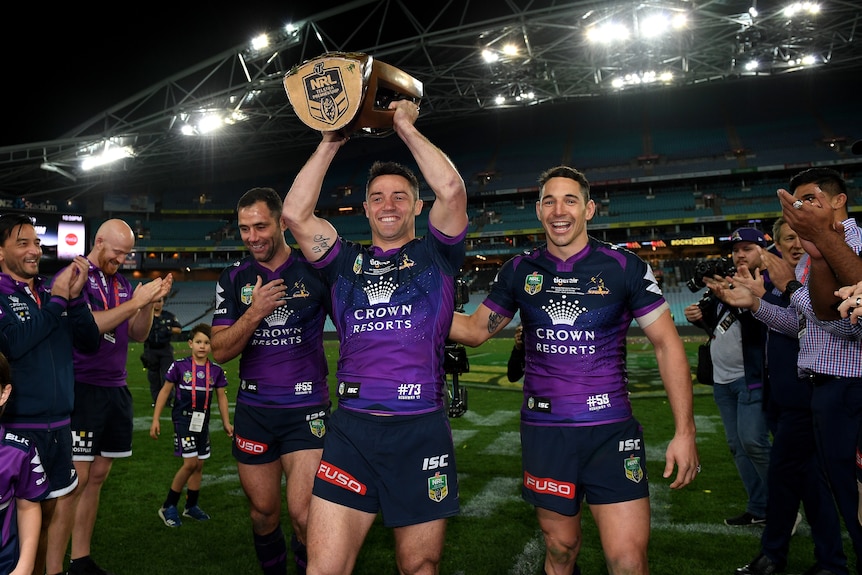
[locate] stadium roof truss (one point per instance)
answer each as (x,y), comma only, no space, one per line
(542,53)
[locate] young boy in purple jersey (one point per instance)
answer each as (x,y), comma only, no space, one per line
(580,441)
(41,324)
(23,484)
(271,308)
(192,382)
(389,447)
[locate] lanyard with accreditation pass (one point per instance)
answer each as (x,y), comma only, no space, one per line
(197,423)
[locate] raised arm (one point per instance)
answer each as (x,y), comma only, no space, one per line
(449,212)
(313,234)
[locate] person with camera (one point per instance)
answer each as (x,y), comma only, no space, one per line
(577,297)
(795,475)
(158,350)
(518,358)
(737,353)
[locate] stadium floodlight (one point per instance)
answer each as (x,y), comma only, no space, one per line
(110,154)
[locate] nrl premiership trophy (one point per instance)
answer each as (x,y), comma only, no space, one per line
(348,92)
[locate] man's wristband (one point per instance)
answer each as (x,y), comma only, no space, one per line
(792,286)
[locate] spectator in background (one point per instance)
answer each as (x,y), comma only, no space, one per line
(193,382)
(795,474)
(102,419)
(158,347)
(40,327)
(578,432)
(391,429)
(737,359)
(23,484)
(517,359)
(270,310)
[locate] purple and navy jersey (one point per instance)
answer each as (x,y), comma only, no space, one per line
(575,314)
(21,476)
(106,367)
(393,311)
(283,363)
(194,386)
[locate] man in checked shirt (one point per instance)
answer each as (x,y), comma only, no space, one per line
(830,354)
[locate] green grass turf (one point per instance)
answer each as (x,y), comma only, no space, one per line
(496,533)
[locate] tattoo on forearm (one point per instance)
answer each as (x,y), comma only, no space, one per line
(494,321)
(321,244)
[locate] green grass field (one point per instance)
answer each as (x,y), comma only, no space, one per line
(496,532)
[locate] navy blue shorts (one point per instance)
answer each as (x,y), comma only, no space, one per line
(562,466)
(55,452)
(402,466)
(263,434)
(102,422)
(190,443)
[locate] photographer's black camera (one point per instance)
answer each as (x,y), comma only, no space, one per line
(708,268)
(455,361)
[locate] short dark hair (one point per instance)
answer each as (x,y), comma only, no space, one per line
(829,180)
(565,172)
(395,169)
(8,223)
(266,195)
(203,328)
(5,372)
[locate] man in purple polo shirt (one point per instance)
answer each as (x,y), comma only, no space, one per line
(102,417)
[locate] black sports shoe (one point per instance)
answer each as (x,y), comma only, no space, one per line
(85,566)
(761,565)
(744,520)
(817,570)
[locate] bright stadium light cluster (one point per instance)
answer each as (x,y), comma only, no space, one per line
(103,154)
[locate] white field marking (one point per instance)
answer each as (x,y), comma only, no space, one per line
(460,436)
(507,443)
(495,419)
(531,557)
(708,424)
(498,491)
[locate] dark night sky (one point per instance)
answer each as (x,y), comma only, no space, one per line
(70,67)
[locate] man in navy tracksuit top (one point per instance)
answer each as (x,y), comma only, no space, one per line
(39,325)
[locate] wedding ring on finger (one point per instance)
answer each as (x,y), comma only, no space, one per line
(698,469)
(858,301)
(797,204)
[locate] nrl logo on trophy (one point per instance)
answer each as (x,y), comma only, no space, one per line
(348,92)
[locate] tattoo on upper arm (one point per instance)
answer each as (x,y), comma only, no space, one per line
(494,321)
(321,243)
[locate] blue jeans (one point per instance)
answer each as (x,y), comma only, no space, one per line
(747,435)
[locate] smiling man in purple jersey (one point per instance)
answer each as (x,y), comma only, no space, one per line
(577,297)
(270,310)
(389,448)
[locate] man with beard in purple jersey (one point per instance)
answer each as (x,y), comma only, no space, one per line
(271,307)
(577,297)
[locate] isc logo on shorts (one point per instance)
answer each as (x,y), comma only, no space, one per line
(248,446)
(434,462)
(547,486)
